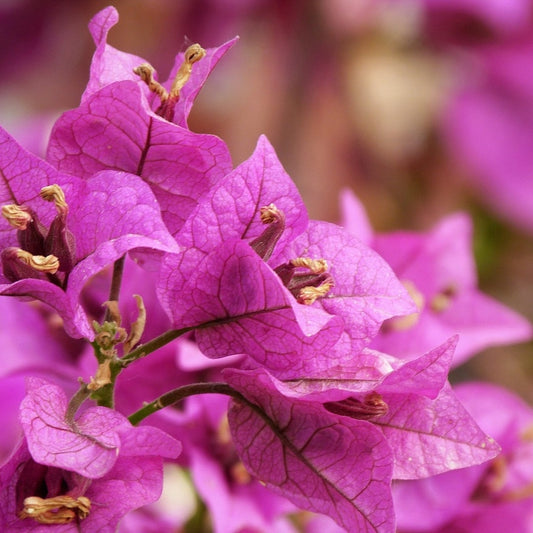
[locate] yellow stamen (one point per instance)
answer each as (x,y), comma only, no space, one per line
(58,510)
(146,73)
(315,266)
(223,431)
(48,264)
(17,215)
(193,54)
(308,295)
(519,494)
(54,193)
(527,434)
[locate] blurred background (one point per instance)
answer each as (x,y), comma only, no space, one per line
(421,107)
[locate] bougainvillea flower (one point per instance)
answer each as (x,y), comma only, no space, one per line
(237,304)
(30,345)
(247,261)
(116,128)
(61,230)
(366,291)
(484,498)
(320,461)
(439,270)
(412,406)
(110,65)
(85,471)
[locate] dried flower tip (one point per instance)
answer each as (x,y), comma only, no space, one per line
(48,264)
(102,376)
(54,193)
(315,266)
(17,215)
(308,295)
(58,510)
(269,214)
(193,54)
(137,328)
(108,335)
(146,73)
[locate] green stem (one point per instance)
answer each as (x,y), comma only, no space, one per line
(181,393)
(152,346)
(105,395)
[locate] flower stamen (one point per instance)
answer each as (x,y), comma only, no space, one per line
(193,54)
(308,295)
(57,510)
(54,193)
(39,263)
(18,216)
(315,266)
(146,73)
(169,98)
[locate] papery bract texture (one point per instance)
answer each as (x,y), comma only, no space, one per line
(135,480)
(432,436)
(484,497)
(97,455)
(236,501)
(115,129)
(231,210)
(238,305)
(425,376)
(366,291)
(109,214)
(88,446)
(314,458)
(427,428)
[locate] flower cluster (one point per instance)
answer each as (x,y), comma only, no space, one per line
(289,364)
